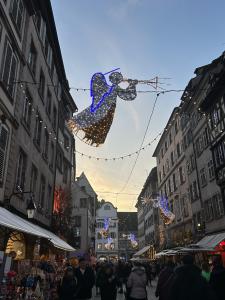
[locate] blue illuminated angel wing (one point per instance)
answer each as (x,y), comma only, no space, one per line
(99,89)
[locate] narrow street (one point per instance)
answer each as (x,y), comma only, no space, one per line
(151,293)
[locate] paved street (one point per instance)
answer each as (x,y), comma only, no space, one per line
(151,294)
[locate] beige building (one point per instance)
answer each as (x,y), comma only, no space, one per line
(84,200)
(173,181)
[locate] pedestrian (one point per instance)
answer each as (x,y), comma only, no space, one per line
(137,283)
(85,280)
(206,271)
(120,273)
(188,284)
(165,281)
(108,283)
(148,270)
(217,279)
(68,286)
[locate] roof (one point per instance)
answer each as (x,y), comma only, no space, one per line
(127,221)
(212,240)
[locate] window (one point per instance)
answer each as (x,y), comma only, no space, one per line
(3,148)
(59,159)
(9,69)
(182,175)
(216,208)
(215,116)
(21,170)
(99,246)
(27,109)
(52,155)
(192,161)
(170,138)
(172,158)
(169,186)
(195,190)
(16,12)
(65,171)
(174,182)
(83,203)
(42,192)
(77,221)
(203,177)
(49,198)
(112,246)
(66,142)
(107,207)
(46,142)
(211,169)
(38,130)
(160,176)
(41,87)
(49,103)
(166,147)
(33,180)
(167,165)
(205,137)
(219,154)
(32,58)
(184,202)
(113,235)
(178,150)
(54,119)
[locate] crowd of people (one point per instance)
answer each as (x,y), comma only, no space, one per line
(185,281)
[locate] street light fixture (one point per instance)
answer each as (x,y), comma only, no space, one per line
(31,207)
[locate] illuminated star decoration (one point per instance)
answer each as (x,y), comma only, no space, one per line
(105,231)
(95,121)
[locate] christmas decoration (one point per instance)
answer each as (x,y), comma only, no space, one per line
(96,120)
(105,231)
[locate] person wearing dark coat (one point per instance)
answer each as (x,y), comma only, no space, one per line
(165,281)
(188,284)
(68,286)
(217,279)
(108,283)
(85,280)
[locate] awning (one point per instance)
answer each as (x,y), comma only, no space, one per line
(211,241)
(10,220)
(13,221)
(142,251)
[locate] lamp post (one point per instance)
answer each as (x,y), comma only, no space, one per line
(31,207)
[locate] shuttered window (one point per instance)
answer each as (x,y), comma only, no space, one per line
(3,149)
(9,69)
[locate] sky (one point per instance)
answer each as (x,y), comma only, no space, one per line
(144,38)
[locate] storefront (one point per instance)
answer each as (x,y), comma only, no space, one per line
(31,258)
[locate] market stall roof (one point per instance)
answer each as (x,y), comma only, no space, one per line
(211,241)
(142,251)
(10,220)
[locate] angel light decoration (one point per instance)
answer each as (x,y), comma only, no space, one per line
(95,121)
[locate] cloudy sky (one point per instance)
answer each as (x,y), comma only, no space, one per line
(145,38)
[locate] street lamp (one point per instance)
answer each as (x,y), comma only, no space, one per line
(31,207)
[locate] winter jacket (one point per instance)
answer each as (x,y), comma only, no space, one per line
(85,283)
(107,284)
(164,283)
(137,282)
(67,289)
(188,284)
(217,281)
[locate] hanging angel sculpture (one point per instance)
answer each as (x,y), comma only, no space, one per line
(95,121)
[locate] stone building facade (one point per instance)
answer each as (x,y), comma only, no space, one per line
(35,90)
(173,181)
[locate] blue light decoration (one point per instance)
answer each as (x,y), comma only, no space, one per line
(168,216)
(105,231)
(95,121)
(133,240)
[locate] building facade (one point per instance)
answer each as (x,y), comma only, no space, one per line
(84,200)
(173,182)
(127,230)
(34,88)
(106,232)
